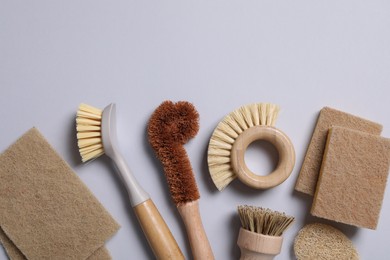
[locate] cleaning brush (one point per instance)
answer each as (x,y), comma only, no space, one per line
(260,236)
(233,135)
(96,134)
(170,127)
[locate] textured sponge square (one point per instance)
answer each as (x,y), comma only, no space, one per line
(327,118)
(46,211)
(14,253)
(353,178)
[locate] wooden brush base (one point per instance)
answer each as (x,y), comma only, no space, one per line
(255,246)
(282,144)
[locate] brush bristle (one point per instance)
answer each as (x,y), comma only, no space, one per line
(227,131)
(88,125)
(264,221)
(170,127)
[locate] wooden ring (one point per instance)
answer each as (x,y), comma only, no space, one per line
(282,144)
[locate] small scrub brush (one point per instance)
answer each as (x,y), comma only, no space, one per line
(235,133)
(260,236)
(96,134)
(170,127)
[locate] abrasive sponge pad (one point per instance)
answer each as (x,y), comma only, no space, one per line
(323,242)
(327,118)
(14,253)
(353,178)
(45,209)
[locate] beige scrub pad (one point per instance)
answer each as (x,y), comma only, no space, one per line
(45,209)
(323,242)
(14,253)
(353,178)
(100,254)
(328,117)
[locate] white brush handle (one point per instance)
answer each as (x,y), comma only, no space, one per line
(136,193)
(200,246)
(111,148)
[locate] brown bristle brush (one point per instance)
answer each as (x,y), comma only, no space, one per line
(170,127)
(261,233)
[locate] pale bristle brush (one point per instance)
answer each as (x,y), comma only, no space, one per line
(235,133)
(96,134)
(170,127)
(260,237)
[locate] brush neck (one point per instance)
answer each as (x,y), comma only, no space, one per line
(111,148)
(136,193)
(200,246)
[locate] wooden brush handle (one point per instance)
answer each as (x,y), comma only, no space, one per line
(159,236)
(282,144)
(255,246)
(200,246)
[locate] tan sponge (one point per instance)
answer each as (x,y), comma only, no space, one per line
(353,178)
(328,117)
(323,242)
(14,253)
(46,211)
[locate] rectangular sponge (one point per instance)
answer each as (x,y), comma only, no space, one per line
(353,178)
(328,117)
(15,254)
(46,211)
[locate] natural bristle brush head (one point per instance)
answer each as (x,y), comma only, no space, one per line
(88,126)
(264,221)
(170,127)
(232,136)
(173,123)
(261,234)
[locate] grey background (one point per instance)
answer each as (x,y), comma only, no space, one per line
(219,55)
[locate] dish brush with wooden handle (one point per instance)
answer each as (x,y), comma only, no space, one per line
(96,134)
(170,127)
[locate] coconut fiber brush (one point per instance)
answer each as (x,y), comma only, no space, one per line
(260,236)
(170,127)
(96,134)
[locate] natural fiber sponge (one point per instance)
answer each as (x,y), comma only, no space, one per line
(100,254)
(353,178)
(45,209)
(14,253)
(328,117)
(323,242)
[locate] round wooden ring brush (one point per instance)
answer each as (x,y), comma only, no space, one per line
(170,127)
(96,134)
(260,236)
(232,137)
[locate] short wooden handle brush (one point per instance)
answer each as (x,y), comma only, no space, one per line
(170,127)
(260,237)
(96,134)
